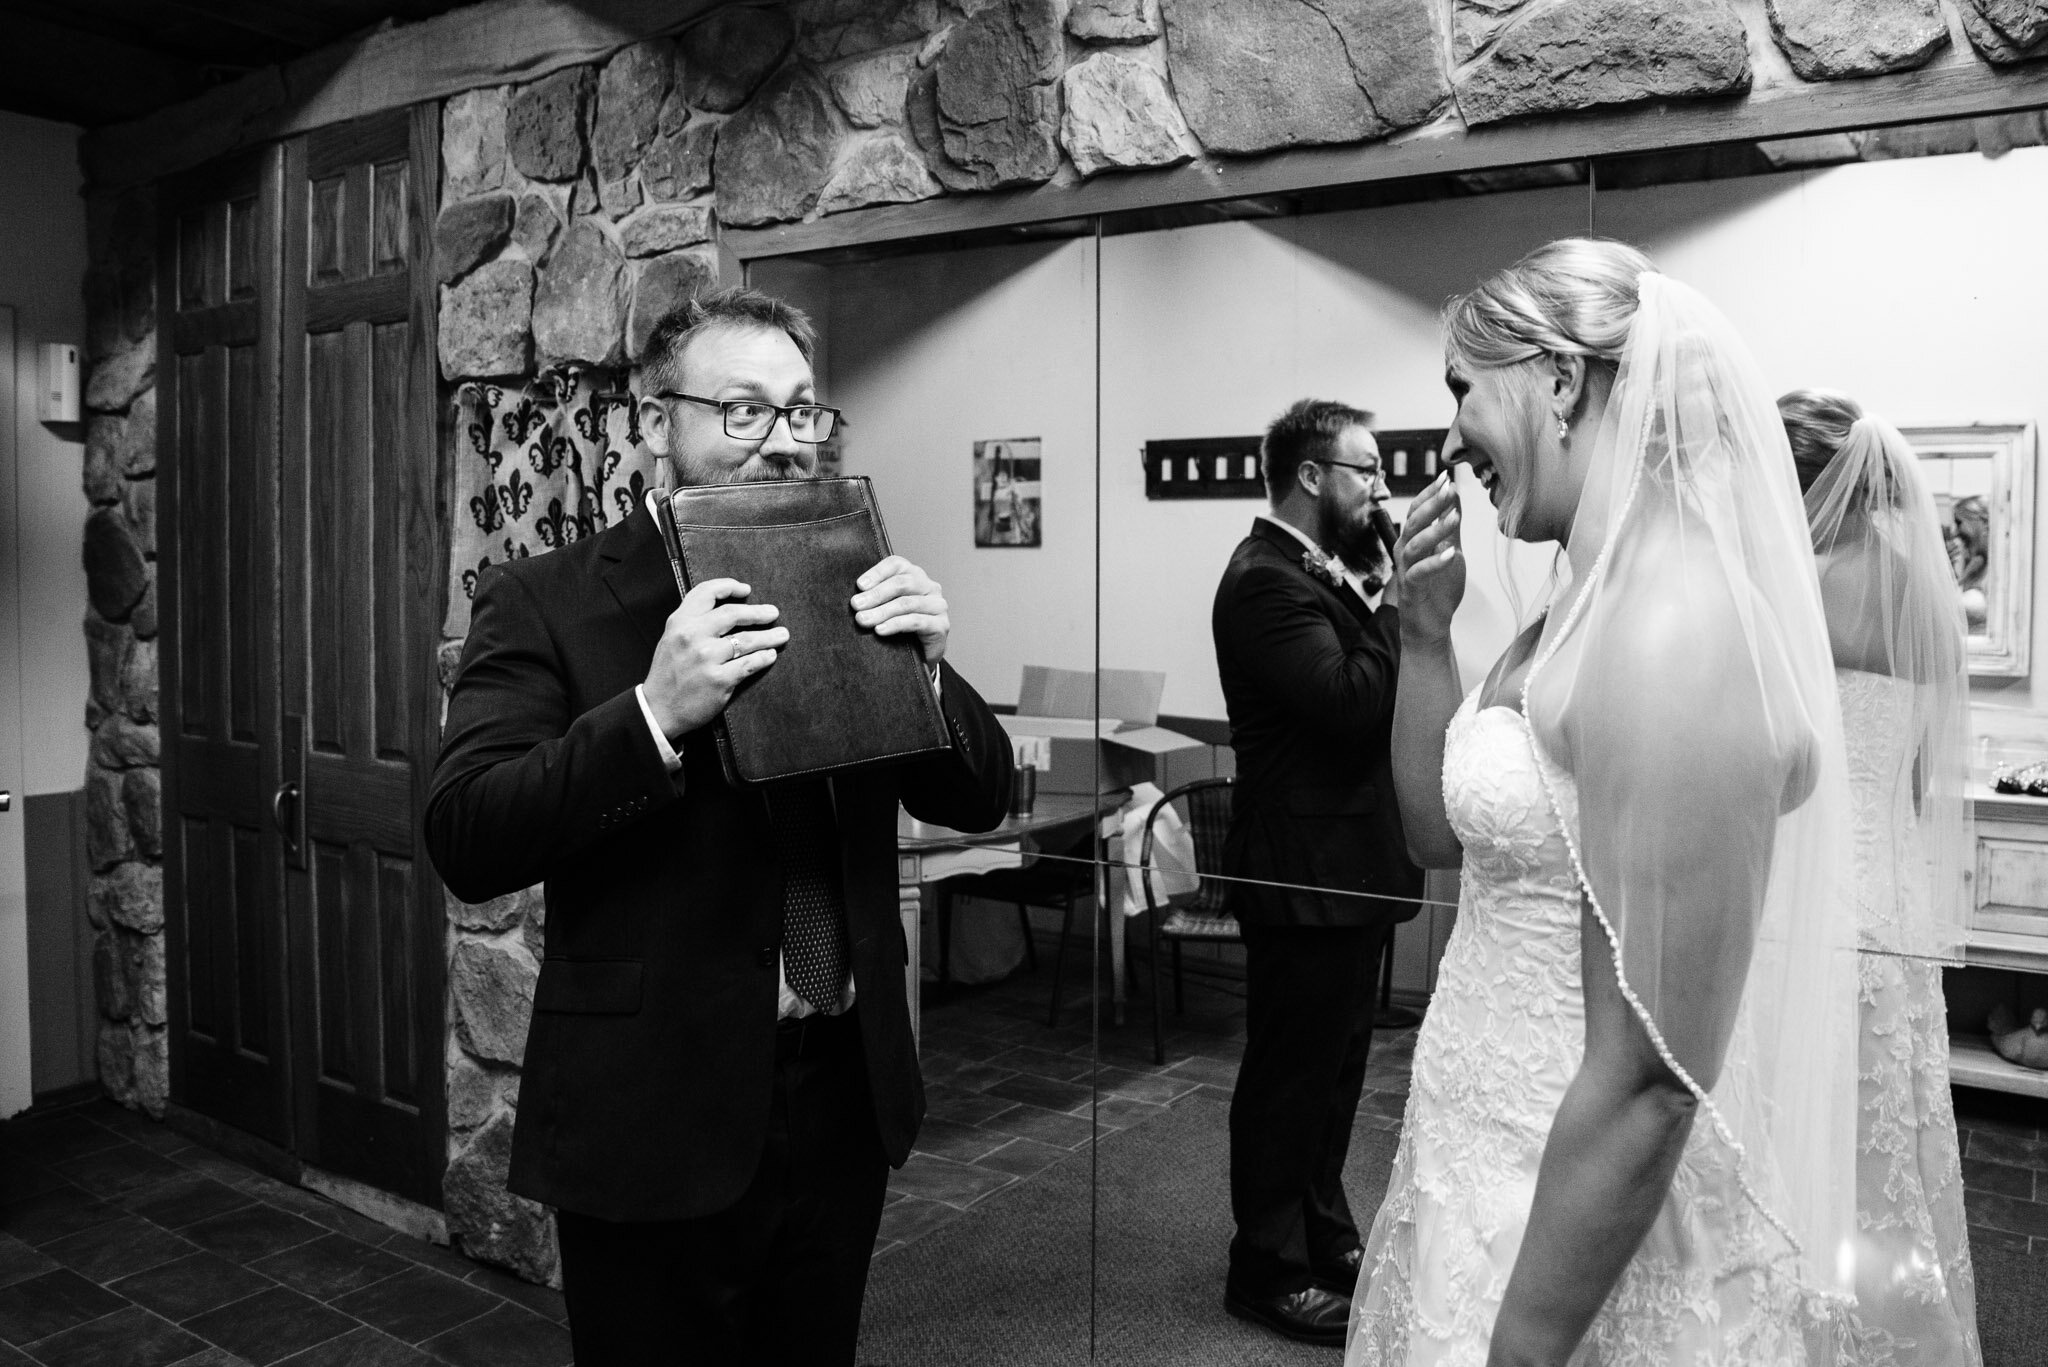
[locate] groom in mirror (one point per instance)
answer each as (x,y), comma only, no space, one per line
(1308,650)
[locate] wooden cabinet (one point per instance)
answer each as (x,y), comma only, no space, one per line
(2008,926)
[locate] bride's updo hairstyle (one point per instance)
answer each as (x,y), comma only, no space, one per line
(1572,297)
(1817,422)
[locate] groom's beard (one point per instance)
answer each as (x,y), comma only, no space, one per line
(1349,535)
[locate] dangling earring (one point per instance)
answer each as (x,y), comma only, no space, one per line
(1564,431)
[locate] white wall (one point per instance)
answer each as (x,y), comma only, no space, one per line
(931,353)
(1912,284)
(42,274)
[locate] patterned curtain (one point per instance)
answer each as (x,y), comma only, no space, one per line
(539,466)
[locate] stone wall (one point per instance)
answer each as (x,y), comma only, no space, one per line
(579,207)
(124,821)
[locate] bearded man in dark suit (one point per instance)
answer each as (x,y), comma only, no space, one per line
(1308,652)
(720,1069)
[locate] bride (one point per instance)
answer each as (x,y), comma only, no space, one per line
(1629,1129)
(1895,624)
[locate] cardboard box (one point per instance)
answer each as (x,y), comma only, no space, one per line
(1059,704)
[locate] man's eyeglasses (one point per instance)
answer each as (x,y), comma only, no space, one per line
(753,419)
(1369,473)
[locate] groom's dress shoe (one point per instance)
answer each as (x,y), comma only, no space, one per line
(1311,1316)
(1341,1274)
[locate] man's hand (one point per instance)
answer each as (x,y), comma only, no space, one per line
(708,649)
(1429,562)
(896,597)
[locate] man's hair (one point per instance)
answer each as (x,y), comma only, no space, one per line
(1307,431)
(661,362)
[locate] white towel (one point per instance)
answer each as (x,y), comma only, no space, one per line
(1173,851)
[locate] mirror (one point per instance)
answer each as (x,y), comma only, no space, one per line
(1982,479)
(1261,1068)
(1063,428)
(967,382)
(1819,254)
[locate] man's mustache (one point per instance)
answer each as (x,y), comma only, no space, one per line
(763,470)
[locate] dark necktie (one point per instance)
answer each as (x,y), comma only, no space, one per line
(813,904)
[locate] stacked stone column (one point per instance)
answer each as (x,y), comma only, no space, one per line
(124,818)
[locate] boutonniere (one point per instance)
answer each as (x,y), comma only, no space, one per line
(1325,568)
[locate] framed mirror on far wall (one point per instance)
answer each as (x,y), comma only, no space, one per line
(1982,479)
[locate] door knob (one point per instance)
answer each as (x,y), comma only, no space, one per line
(286,792)
(6,800)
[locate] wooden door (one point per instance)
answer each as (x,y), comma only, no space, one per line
(362,598)
(217,292)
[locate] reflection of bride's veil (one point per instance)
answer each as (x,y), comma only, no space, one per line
(1700,831)
(1873,517)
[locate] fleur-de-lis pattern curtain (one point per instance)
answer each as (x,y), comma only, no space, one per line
(538,466)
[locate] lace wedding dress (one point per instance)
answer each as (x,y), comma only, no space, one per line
(1909,1186)
(1497,1049)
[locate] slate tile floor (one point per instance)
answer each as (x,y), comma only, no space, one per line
(1008,1096)
(123,1245)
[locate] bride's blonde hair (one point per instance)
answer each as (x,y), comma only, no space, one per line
(1572,297)
(1817,422)
(1576,296)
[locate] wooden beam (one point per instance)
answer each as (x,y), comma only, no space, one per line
(1958,85)
(492,43)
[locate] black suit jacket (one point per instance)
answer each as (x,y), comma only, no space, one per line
(650,1057)
(1308,676)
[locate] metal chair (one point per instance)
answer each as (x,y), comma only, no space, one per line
(1197,915)
(1044,882)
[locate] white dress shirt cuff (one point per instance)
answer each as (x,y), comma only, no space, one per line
(670,760)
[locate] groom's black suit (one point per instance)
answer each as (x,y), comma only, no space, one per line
(656,1075)
(1308,674)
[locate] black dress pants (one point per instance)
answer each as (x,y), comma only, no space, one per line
(778,1276)
(1308,1023)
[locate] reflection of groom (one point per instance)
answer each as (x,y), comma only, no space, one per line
(1308,654)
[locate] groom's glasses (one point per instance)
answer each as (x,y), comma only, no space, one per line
(752,419)
(1369,473)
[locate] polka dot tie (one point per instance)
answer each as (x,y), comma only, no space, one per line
(813,903)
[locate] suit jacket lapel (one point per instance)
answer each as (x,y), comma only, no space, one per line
(1291,550)
(639,574)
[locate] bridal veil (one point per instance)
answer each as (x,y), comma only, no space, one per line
(1685,682)
(1885,570)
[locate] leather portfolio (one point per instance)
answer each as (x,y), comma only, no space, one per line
(838,696)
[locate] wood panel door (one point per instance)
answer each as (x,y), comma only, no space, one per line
(362,577)
(216,595)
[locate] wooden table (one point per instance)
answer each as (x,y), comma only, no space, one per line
(926,854)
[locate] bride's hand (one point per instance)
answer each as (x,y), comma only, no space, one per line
(1430,561)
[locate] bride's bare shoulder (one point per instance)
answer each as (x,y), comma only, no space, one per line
(1673,617)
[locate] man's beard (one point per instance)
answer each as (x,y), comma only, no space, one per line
(1350,537)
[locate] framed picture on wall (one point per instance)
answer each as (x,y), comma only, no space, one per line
(1982,479)
(1006,493)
